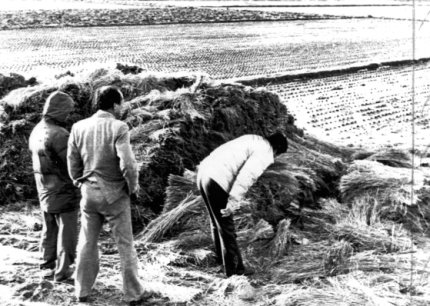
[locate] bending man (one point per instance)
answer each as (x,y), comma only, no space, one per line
(224,177)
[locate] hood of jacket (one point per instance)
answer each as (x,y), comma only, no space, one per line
(58,106)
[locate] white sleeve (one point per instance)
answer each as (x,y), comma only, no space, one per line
(251,170)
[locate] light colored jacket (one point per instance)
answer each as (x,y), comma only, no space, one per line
(48,146)
(237,164)
(99,147)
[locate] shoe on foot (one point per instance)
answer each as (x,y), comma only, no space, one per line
(245,271)
(48,274)
(65,278)
(83,299)
(143,298)
(47,265)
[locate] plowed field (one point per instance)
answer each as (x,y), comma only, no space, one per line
(367,107)
(222,50)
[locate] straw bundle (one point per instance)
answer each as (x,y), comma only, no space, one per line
(13,81)
(400,264)
(282,240)
(337,256)
(374,237)
(303,262)
(386,184)
(179,187)
(162,225)
(393,158)
(25,101)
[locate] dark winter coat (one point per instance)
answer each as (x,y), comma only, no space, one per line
(48,146)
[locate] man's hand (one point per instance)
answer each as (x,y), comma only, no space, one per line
(135,195)
(233,204)
(226,212)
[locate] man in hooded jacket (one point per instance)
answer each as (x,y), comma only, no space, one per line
(224,177)
(59,199)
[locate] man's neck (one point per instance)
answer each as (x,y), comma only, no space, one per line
(110,111)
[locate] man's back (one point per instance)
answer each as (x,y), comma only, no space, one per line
(95,140)
(100,147)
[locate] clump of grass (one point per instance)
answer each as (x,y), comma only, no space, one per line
(179,186)
(387,184)
(393,157)
(362,227)
(282,239)
(160,227)
(337,256)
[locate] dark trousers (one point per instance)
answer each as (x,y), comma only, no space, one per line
(223,233)
(58,241)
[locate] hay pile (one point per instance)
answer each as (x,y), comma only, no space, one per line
(393,157)
(296,180)
(13,81)
(391,190)
(175,122)
(174,131)
(21,110)
(388,185)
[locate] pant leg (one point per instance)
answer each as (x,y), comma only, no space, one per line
(87,264)
(214,229)
(217,199)
(67,240)
(120,223)
(48,240)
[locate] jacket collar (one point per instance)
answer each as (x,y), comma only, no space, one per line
(103,114)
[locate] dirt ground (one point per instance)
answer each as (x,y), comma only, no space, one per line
(193,278)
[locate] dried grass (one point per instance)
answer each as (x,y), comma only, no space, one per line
(390,186)
(362,227)
(393,157)
(178,188)
(337,256)
(282,240)
(158,228)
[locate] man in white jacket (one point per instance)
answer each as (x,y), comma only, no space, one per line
(224,177)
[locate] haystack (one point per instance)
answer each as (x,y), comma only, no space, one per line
(21,109)
(393,157)
(13,81)
(174,131)
(388,185)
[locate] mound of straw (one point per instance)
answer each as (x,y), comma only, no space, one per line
(296,179)
(164,224)
(13,81)
(393,157)
(388,185)
(361,226)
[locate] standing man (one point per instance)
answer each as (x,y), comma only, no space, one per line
(224,177)
(59,199)
(103,165)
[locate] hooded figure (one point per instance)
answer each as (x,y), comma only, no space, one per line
(59,199)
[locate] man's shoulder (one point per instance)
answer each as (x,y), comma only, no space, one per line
(119,125)
(82,123)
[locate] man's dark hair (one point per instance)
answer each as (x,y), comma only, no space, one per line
(279,142)
(107,96)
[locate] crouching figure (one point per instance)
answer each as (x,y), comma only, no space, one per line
(223,178)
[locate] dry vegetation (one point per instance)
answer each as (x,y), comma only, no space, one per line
(23,19)
(324,224)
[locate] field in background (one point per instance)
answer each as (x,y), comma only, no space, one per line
(387,11)
(224,51)
(369,107)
